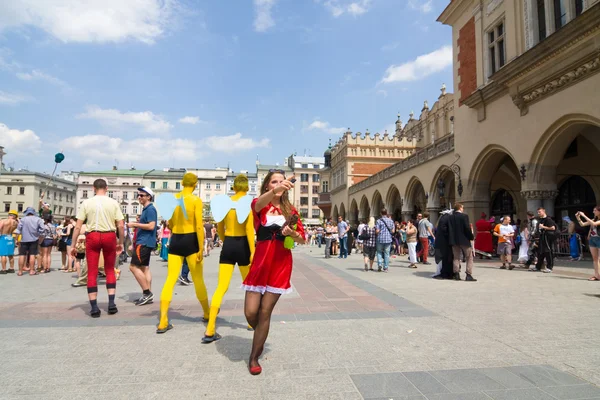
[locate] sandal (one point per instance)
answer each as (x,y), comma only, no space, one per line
(35,273)
(167,328)
(19,273)
(210,339)
(593,278)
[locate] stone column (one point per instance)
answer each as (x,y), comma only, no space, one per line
(540,198)
(549,201)
(406,215)
(434,213)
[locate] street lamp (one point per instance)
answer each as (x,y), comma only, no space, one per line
(441,186)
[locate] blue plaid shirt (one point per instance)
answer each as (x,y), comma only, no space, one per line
(385,234)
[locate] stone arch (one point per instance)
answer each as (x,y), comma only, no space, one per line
(376,204)
(353,217)
(495,169)
(550,149)
(443,196)
(568,150)
(365,210)
(415,197)
(343,211)
(393,202)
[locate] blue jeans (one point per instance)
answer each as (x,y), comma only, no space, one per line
(319,240)
(185,270)
(344,247)
(383,255)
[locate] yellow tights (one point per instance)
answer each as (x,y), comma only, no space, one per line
(225,274)
(174,269)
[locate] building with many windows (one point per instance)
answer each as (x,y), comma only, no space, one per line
(22,189)
(521,131)
(306,189)
(122,186)
(252,182)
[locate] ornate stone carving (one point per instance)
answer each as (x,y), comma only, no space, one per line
(565,79)
(539,194)
(441,147)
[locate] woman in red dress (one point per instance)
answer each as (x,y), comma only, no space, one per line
(271,267)
(483,240)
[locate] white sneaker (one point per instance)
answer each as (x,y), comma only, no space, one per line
(546,270)
(532,269)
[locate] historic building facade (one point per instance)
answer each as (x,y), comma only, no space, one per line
(22,189)
(522,129)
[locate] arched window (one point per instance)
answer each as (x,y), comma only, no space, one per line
(503,204)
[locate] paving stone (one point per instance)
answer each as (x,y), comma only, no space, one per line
(384,385)
(466,380)
(544,376)
(519,394)
(573,392)
(426,383)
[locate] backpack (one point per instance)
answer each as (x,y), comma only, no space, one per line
(364,235)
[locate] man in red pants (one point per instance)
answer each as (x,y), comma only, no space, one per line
(103,217)
(425,229)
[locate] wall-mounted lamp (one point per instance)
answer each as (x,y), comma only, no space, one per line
(523,172)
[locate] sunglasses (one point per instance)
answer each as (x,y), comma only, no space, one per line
(279,171)
(143,195)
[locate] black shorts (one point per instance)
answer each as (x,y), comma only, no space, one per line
(80,256)
(47,243)
(369,252)
(62,245)
(30,248)
(236,250)
(184,244)
(141,256)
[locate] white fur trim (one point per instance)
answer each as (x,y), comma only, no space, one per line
(263,289)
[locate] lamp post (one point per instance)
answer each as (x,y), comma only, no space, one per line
(441,186)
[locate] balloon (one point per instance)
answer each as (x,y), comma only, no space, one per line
(59,157)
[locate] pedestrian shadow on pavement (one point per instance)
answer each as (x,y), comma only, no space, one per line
(130,297)
(424,274)
(593,295)
(237,348)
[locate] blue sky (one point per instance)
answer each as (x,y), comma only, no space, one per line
(183,83)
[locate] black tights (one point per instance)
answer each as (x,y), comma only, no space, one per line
(258,309)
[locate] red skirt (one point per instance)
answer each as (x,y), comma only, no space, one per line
(271,269)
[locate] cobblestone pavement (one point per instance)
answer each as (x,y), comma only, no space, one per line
(342,334)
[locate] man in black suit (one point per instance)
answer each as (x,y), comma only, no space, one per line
(461,235)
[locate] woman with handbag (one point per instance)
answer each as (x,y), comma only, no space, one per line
(47,241)
(368,235)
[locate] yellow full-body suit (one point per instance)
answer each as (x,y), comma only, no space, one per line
(180,225)
(230,227)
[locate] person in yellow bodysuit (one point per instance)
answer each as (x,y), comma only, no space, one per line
(187,242)
(235,225)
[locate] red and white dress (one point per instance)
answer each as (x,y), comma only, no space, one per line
(271,267)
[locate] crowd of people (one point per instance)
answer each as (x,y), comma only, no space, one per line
(530,243)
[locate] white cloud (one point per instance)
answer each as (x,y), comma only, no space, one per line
(234,143)
(263,19)
(421,67)
(92,20)
(37,75)
(190,120)
(16,141)
(354,8)
(147,120)
(424,7)
(101,148)
(325,127)
(12,99)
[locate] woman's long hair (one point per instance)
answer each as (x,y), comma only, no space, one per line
(285,204)
(597,208)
